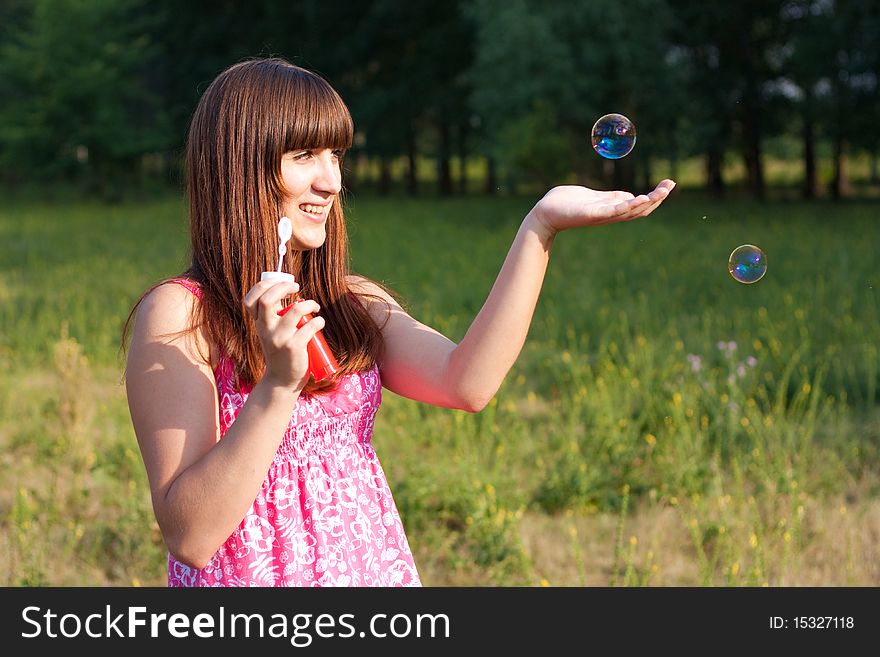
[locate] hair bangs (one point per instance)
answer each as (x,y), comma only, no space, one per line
(316,117)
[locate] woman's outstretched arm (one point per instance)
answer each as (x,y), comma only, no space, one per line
(424,365)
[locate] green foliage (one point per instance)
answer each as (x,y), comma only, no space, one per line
(531,146)
(583,60)
(79,101)
(449,506)
(99,93)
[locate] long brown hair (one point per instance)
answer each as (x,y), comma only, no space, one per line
(247,118)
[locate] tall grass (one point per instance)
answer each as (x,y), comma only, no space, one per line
(663,425)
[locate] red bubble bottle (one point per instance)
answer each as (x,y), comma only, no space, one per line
(322,363)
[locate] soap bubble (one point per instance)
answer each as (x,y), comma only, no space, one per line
(613,136)
(747,263)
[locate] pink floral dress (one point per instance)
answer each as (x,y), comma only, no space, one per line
(324,515)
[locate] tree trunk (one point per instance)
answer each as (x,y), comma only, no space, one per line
(875,171)
(444,172)
(624,175)
(173,167)
(809,188)
(714,174)
(647,177)
(751,127)
(412,182)
(491,177)
(809,136)
(462,160)
(754,166)
(384,176)
(608,174)
(351,174)
(840,184)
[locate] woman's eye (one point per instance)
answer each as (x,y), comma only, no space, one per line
(296,156)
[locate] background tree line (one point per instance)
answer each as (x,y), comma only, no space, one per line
(99,92)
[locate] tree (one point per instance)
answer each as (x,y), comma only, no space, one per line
(404,80)
(726,45)
(73,74)
(554,67)
(807,69)
(854,34)
(511,80)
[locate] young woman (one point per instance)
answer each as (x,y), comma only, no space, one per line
(259,474)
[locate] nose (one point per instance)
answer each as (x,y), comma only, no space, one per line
(328,178)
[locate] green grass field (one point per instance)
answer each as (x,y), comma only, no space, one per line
(664,424)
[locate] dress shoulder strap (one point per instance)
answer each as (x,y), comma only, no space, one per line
(190,285)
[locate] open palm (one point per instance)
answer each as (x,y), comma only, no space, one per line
(570,206)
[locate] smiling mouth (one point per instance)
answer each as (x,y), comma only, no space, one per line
(315,211)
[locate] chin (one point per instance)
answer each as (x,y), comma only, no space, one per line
(310,242)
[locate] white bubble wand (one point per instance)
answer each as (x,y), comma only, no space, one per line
(322,363)
(285,231)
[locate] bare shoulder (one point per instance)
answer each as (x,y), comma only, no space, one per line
(166,315)
(365,287)
(373,295)
(379,302)
(166,309)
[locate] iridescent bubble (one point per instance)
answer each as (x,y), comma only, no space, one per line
(747,263)
(613,136)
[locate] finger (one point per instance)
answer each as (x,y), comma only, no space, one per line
(269,302)
(668,184)
(288,333)
(253,295)
(650,207)
(266,296)
(642,205)
(658,200)
(307,331)
(636,206)
(659,195)
(292,314)
(612,203)
(655,197)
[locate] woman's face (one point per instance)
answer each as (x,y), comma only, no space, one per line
(313,179)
